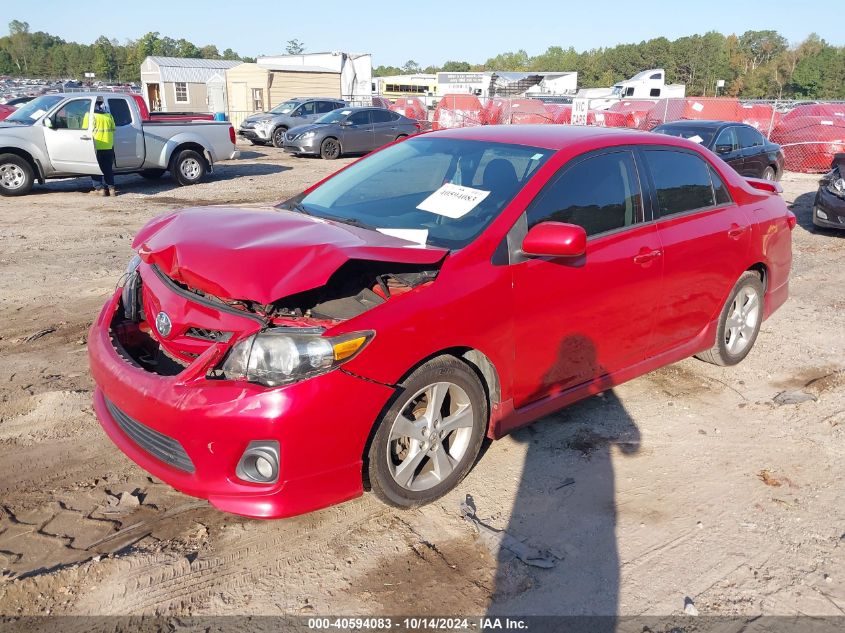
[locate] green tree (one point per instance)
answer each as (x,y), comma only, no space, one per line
(295,47)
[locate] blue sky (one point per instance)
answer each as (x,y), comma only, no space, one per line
(429,32)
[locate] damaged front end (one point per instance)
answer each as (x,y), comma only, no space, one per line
(168,328)
(829,205)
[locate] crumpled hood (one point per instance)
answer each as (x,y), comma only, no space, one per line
(263,254)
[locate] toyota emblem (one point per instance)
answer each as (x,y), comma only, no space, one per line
(163,324)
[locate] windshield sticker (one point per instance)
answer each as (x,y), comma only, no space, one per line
(537,157)
(697,106)
(37,114)
(417,236)
(346,112)
(453,201)
(696,139)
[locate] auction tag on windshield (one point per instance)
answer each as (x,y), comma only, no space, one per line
(696,139)
(453,201)
(36,114)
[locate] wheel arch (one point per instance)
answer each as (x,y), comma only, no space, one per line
(28,157)
(761,269)
(477,360)
(192,145)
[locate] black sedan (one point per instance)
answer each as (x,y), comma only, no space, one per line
(740,146)
(829,205)
(349,131)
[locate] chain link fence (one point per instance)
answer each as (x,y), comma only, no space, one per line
(810,132)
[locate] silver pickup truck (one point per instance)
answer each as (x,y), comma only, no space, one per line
(51,137)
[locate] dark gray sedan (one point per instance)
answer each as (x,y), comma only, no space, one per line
(349,131)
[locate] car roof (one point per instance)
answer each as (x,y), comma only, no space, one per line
(700,124)
(557,137)
(315,99)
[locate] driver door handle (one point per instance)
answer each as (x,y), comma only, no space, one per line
(736,231)
(646,256)
(85,138)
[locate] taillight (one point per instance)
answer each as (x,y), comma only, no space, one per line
(791,220)
(418,125)
(232,135)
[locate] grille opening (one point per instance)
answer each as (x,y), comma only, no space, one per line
(141,348)
(159,445)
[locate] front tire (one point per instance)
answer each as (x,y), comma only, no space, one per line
(330,149)
(278,137)
(16,175)
(739,322)
(430,437)
(189,167)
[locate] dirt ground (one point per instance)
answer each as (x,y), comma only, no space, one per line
(722,485)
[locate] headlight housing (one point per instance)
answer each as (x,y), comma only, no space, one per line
(281,356)
(839,185)
(131,293)
(306,135)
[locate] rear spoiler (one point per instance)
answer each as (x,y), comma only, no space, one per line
(769,186)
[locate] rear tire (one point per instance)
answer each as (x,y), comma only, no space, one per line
(330,149)
(16,175)
(739,322)
(152,174)
(769,173)
(401,136)
(189,167)
(279,137)
(430,437)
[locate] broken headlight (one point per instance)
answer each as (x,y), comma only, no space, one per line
(282,356)
(838,186)
(131,294)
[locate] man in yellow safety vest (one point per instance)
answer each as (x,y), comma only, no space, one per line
(103,134)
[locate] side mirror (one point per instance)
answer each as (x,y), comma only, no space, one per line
(346,123)
(48,122)
(724,149)
(555,239)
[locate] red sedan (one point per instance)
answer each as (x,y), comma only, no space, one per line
(371,331)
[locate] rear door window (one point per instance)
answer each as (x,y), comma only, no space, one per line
(381,116)
(749,137)
(120,112)
(307,109)
(681,180)
(600,194)
(325,106)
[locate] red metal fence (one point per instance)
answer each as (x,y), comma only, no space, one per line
(809,132)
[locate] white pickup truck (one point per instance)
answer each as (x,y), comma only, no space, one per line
(46,139)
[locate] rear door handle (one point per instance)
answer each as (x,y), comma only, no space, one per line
(736,231)
(646,256)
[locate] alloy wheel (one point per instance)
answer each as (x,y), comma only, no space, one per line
(430,436)
(742,320)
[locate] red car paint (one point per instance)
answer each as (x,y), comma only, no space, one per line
(646,296)
(161,117)
(6,111)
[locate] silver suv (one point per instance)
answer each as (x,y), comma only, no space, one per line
(270,127)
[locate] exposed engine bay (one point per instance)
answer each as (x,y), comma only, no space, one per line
(834,180)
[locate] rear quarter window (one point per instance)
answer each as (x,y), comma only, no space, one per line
(681,181)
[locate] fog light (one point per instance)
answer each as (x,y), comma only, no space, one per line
(821,214)
(260,462)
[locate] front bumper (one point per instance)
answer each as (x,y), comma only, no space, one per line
(254,134)
(299,146)
(321,424)
(832,206)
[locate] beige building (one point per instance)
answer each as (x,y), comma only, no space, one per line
(181,84)
(258,87)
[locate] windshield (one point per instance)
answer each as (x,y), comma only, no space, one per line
(696,135)
(29,112)
(438,191)
(335,116)
(285,108)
